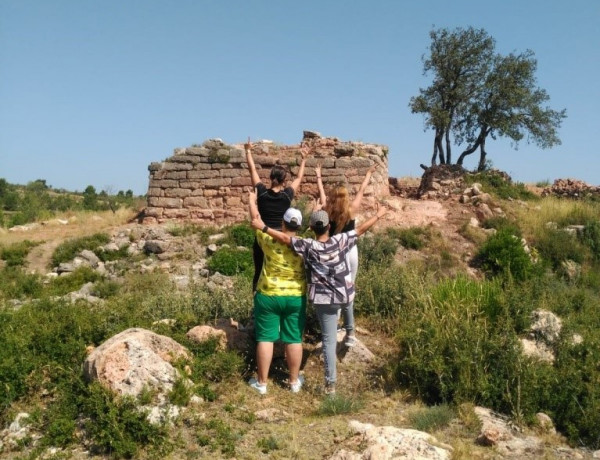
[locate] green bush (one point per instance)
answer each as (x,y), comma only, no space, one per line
(503,254)
(556,246)
(16,284)
(230,261)
(242,234)
(15,254)
(377,250)
(116,425)
(69,249)
(72,281)
(502,223)
(497,184)
(591,238)
(410,238)
(381,293)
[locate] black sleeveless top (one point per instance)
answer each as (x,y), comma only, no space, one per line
(273,205)
(350,225)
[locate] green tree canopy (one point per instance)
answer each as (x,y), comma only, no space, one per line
(477,93)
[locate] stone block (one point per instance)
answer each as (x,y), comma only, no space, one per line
(216,202)
(198,192)
(192,159)
(197,151)
(177,192)
(201,166)
(311,162)
(233,201)
(204,174)
(155,167)
(222,182)
(163,183)
(176,213)
(244,181)
(175,175)
(265,160)
(234,172)
(155,191)
(153,212)
(165,202)
(169,166)
(332,172)
(195,201)
(190,184)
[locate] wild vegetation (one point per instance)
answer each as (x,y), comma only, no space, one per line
(451,342)
(38,201)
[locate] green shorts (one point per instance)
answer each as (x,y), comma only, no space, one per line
(279,317)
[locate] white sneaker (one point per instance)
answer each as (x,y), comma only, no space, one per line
(350,341)
(260,387)
(297,385)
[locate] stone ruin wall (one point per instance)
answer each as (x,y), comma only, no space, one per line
(209,183)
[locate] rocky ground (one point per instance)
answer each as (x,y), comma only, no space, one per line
(379,427)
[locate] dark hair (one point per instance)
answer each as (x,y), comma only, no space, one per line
(278,174)
(319,230)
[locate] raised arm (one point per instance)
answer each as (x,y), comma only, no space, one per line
(322,196)
(253,174)
(366,225)
(355,205)
(304,150)
(252,205)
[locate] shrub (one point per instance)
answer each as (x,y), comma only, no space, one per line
(116,425)
(15,254)
(497,184)
(381,293)
(591,237)
(504,254)
(230,261)
(69,249)
(410,238)
(16,284)
(377,250)
(242,234)
(72,281)
(502,223)
(556,246)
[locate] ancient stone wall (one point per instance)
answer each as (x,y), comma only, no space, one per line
(209,183)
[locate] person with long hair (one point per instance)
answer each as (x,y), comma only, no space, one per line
(342,218)
(272,201)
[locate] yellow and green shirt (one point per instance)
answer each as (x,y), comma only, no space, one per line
(282,272)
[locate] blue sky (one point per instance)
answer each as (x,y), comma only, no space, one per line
(92,92)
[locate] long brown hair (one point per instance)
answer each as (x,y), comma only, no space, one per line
(338,208)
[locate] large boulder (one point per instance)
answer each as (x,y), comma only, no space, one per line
(387,442)
(134,359)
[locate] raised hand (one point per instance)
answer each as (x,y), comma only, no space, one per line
(318,170)
(372,169)
(381,210)
(248,146)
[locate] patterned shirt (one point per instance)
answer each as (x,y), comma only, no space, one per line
(328,272)
(282,273)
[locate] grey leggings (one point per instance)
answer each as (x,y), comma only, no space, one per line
(328,319)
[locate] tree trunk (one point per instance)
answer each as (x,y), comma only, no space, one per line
(469,151)
(439,135)
(448,151)
(482,155)
(435,154)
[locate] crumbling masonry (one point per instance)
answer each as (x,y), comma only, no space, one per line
(208,183)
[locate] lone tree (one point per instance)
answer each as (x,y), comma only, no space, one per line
(476,94)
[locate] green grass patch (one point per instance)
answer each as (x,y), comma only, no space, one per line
(337,404)
(432,418)
(232,261)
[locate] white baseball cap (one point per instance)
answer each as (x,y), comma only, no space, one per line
(292,218)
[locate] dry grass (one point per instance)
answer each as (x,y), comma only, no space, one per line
(52,232)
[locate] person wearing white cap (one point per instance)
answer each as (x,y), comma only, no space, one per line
(330,284)
(279,302)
